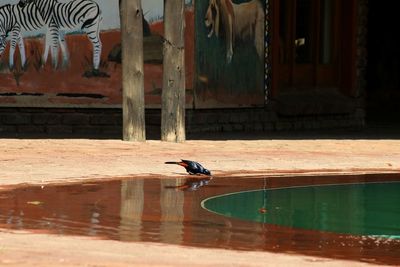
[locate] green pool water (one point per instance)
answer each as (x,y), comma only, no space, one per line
(360,209)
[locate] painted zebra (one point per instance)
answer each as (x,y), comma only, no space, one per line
(14,19)
(85,14)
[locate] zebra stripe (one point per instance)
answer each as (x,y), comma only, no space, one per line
(75,13)
(13,19)
(28,17)
(7,20)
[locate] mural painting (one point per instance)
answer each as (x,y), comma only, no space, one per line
(230,53)
(67,53)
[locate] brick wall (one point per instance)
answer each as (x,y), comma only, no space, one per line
(20,122)
(107,123)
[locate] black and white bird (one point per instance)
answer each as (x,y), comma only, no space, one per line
(192,167)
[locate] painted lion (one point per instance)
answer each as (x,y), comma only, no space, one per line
(237,22)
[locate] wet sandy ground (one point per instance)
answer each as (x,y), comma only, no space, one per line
(54,161)
(26,249)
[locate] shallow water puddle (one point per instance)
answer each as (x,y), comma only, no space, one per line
(169,211)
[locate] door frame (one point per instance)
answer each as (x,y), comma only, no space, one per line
(347,47)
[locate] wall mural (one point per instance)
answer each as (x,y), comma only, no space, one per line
(54,53)
(67,53)
(230,53)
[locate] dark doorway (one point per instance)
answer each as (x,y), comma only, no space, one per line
(314,52)
(314,44)
(383,67)
(308,34)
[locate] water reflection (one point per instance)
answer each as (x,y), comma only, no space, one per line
(132,201)
(172,215)
(169,211)
(191,184)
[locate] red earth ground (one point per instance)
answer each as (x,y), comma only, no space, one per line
(63,161)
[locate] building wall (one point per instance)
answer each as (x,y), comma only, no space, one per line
(216,77)
(74,81)
(362,53)
(383,81)
(229,68)
(107,122)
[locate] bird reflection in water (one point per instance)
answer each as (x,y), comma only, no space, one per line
(192,184)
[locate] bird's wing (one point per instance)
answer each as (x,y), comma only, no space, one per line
(198,166)
(189,163)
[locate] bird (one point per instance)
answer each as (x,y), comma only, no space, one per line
(192,167)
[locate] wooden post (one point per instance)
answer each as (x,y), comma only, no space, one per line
(132,71)
(173,93)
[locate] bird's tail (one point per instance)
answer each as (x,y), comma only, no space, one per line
(172,162)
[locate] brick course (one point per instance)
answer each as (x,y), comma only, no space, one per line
(107,123)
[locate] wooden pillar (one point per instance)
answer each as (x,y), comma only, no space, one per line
(132,70)
(173,93)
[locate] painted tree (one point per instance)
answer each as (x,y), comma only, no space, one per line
(132,70)
(173,93)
